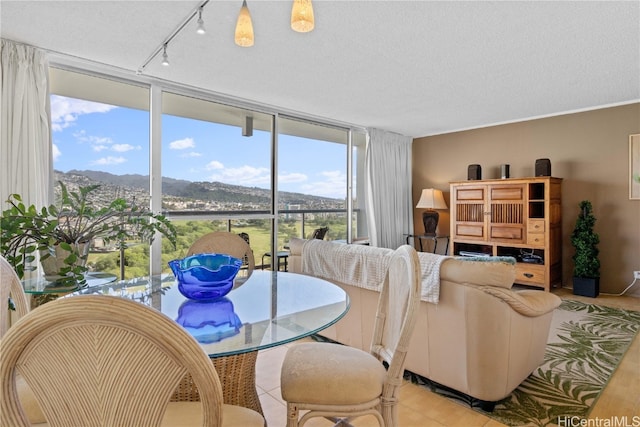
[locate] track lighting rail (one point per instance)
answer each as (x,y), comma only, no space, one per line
(162,47)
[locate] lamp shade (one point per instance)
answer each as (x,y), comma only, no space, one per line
(431,199)
(244,27)
(302,19)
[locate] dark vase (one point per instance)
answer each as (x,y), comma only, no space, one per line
(586,286)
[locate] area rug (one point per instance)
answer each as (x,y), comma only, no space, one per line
(585,346)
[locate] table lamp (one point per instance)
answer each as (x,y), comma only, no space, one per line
(431,199)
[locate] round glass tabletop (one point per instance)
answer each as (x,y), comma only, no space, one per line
(267,309)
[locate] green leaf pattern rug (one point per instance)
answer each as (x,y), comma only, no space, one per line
(588,343)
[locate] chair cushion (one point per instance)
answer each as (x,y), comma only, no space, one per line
(324,373)
(238,416)
(181,414)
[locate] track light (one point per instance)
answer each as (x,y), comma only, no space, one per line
(200,29)
(244,27)
(165,57)
(302,19)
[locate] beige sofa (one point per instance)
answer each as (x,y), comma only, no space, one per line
(478,336)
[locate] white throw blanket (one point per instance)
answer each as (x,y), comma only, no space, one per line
(365,266)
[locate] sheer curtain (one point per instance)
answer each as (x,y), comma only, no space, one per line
(26,157)
(389,202)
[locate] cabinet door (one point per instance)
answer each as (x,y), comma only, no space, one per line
(469,212)
(506,207)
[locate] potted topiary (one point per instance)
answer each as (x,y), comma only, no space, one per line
(63,234)
(586,273)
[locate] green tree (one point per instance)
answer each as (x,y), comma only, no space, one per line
(585,241)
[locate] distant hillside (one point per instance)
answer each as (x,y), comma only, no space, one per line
(188,191)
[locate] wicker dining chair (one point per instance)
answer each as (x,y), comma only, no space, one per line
(11,290)
(224,242)
(98,360)
(338,382)
(11,293)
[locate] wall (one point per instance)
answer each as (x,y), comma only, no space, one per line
(589,150)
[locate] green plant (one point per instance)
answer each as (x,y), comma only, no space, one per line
(74,222)
(585,241)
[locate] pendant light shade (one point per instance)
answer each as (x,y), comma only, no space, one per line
(244,27)
(302,19)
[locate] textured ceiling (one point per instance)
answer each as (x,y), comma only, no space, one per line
(413,67)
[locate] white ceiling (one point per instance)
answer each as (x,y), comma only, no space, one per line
(417,68)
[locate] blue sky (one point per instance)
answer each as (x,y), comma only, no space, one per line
(90,135)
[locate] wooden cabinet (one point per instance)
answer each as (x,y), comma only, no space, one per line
(511,217)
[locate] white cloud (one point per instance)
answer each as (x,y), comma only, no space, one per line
(291,178)
(331,184)
(191,154)
(65,111)
(214,165)
(109,160)
(244,175)
(98,143)
(123,148)
(55,151)
(182,144)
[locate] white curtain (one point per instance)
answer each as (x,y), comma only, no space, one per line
(26,160)
(389,202)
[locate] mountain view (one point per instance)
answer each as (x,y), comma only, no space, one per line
(188,195)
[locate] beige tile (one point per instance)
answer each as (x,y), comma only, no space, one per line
(268,367)
(275,412)
(420,407)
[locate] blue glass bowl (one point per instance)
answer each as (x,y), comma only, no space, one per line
(205,276)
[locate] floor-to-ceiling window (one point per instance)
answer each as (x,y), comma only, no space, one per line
(221,164)
(100,135)
(312,179)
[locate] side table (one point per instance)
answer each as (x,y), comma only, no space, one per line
(283,259)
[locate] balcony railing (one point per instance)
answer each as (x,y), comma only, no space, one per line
(308,219)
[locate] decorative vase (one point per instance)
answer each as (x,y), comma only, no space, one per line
(586,286)
(52,265)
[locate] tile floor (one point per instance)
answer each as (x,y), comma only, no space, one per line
(413,401)
(421,408)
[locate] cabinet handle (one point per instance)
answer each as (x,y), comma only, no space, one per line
(528,275)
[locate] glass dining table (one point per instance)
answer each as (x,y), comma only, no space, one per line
(263,310)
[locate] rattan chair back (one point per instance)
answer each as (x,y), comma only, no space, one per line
(305,378)
(223,242)
(97,360)
(395,322)
(10,287)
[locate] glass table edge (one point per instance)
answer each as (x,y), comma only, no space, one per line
(288,340)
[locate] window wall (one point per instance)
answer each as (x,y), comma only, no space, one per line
(223,166)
